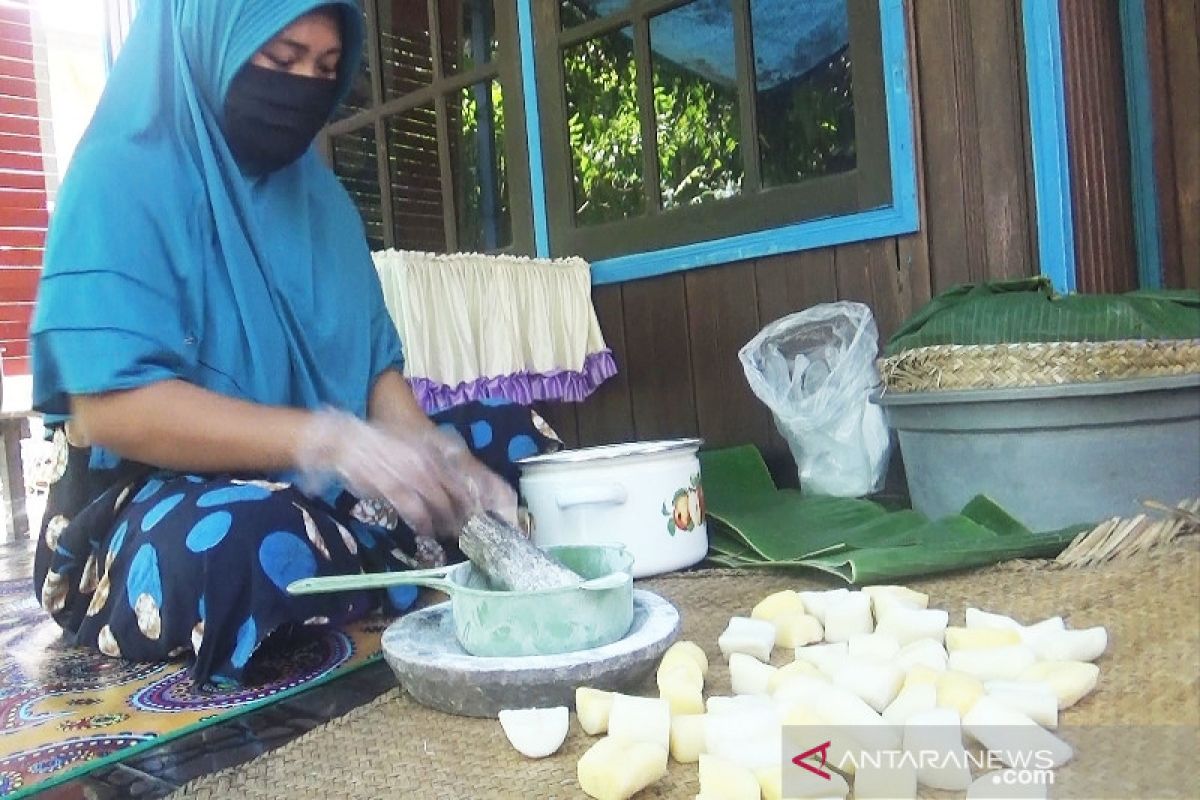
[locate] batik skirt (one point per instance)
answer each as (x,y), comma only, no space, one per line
(149,565)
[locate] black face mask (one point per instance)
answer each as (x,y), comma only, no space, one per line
(272,117)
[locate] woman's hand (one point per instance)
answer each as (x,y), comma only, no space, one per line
(430,486)
(487,490)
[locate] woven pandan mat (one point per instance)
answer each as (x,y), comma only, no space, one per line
(1149,677)
(1000,366)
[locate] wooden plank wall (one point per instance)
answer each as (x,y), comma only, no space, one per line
(1098,143)
(1173,32)
(676,337)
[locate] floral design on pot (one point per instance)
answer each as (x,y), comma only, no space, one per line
(686,509)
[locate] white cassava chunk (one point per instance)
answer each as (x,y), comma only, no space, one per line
(885,781)
(770,782)
(1066,645)
(1071,681)
(797,630)
(885,597)
(748,675)
(844,708)
(983,620)
(925,652)
(688,650)
(718,704)
(1034,699)
(875,682)
(939,732)
(593,706)
(815,603)
(728,780)
(980,638)
(911,700)
(799,690)
(1008,784)
(787,671)
(873,646)
(779,604)
(617,769)
(977,618)
(1017,740)
(824,657)
(753,637)
(681,668)
(1031,633)
(997,663)
(921,674)
(641,719)
(958,691)
(687,738)
(750,736)
(681,689)
(848,616)
(910,624)
(536,732)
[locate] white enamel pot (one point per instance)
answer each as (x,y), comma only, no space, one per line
(646,496)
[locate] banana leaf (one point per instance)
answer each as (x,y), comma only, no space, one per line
(983,509)
(721,540)
(735,476)
(873,565)
(754,525)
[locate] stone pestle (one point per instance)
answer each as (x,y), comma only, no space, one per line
(509,560)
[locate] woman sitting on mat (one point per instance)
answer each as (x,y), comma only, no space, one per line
(215,360)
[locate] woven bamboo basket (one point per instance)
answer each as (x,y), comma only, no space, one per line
(995,366)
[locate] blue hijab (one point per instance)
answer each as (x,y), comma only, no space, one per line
(165,262)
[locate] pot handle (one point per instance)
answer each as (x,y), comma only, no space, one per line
(601,494)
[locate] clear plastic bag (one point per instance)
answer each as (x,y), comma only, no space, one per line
(815,370)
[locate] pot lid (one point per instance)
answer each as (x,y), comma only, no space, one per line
(586,455)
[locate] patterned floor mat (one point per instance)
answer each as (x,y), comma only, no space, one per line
(65,711)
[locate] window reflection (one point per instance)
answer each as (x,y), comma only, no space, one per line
(696,104)
(804,106)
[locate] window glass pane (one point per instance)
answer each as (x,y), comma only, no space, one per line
(359,97)
(696,103)
(416,180)
(468,32)
(404,47)
(354,162)
(573,12)
(605,133)
(803,105)
(477,161)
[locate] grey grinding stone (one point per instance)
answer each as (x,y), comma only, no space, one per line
(432,667)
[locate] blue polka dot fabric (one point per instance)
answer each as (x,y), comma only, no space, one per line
(158,563)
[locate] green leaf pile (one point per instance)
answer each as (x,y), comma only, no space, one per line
(753,524)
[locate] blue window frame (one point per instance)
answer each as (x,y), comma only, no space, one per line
(898,216)
(1048,136)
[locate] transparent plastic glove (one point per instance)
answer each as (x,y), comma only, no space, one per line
(412,472)
(487,490)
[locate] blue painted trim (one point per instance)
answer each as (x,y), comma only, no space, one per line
(1048,135)
(902,216)
(1141,143)
(533,129)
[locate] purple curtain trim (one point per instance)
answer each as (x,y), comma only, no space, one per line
(521,387)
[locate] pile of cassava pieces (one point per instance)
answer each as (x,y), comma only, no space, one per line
(876,670)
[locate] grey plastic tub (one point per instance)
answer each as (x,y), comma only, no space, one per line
(1052,455)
